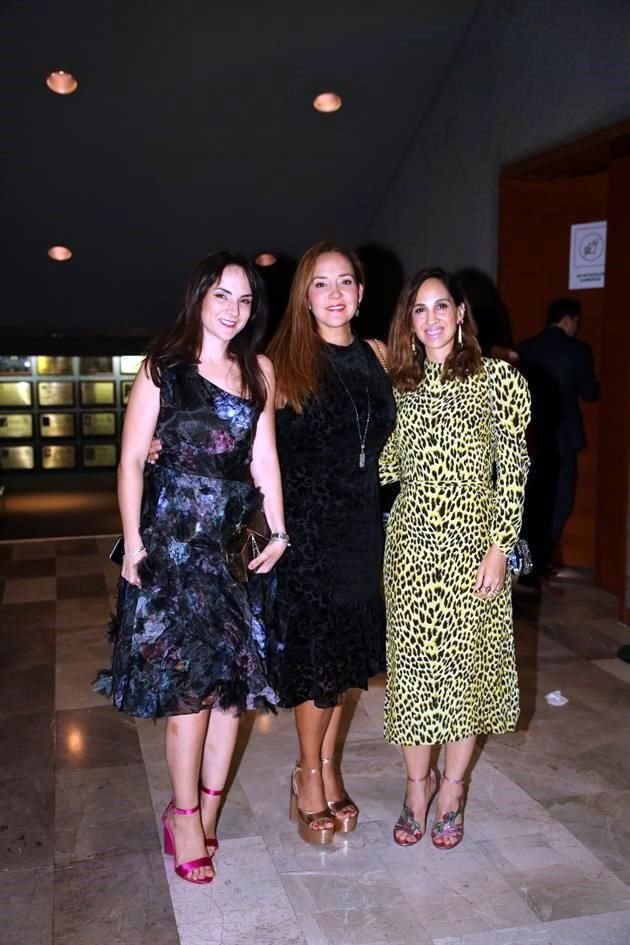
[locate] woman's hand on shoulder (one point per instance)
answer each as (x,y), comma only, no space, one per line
(266,366)
(154,451)
(380,350)
(269,557)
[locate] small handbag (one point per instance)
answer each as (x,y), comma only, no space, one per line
(117,552)
(519,559)
(246,544)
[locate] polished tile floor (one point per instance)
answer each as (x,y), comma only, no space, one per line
(545,860)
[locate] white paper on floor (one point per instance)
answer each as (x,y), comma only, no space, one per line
(556,698)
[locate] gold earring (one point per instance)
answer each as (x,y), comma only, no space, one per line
(459,336)
(414,346)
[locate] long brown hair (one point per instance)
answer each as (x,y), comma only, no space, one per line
(296,349)
(181,343)
(406,366)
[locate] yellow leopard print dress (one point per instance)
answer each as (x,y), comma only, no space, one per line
(451,670)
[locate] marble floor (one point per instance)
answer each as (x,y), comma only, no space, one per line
(546,856)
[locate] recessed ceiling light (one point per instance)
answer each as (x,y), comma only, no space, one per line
(60,253)
(327,102)
(63,83)
(265,259)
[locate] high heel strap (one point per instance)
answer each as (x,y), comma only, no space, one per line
(185,869)
(184,810)
(299,767)
(210,791)
(453,780)
(345,811)
(420,780)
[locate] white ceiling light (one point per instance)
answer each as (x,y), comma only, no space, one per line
(60,253)
(265,259)
(327,102)
(62,83)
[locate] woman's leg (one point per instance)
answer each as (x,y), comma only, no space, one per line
(215,763)
(331,773)
(185,736)
(312,723)
(457,758)
(419,786)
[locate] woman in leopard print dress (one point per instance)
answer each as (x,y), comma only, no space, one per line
(450,650)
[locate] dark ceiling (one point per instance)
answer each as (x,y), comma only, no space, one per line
(192,129)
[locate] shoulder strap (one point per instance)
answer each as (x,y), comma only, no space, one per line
(375,345)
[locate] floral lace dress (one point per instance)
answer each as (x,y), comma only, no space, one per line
(192,637)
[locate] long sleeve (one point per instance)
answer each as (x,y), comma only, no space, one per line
(389,462)
(510,419)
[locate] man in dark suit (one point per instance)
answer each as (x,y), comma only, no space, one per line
(560,372)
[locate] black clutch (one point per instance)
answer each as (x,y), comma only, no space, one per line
(246,544)
(117,552)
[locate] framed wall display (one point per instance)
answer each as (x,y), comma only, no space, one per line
(96,365)
(98,424)
(16,364)
(129,363)
(98,394)
(17,457)
(99,456)
(125,387)
(59,457)
(16,394)
(55,393)
(56,424)
(16,426)
(53,364)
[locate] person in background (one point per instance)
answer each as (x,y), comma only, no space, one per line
(451,673)
(190,641)
(560,371)
(335,412)
(493,334)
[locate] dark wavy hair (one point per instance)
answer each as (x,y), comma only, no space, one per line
(181,342)
(406,367)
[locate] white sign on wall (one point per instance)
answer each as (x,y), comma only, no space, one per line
(587,255)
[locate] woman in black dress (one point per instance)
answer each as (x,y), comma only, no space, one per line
(335,412)
(190,641)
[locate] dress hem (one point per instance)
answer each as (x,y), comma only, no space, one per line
(485,730)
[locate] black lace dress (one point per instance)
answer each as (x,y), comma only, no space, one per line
(330,608)
(192,637)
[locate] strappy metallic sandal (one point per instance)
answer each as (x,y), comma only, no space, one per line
(307,820)
(407,823)
(451,826)
(344,822)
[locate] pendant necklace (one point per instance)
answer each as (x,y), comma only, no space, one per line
(362,436)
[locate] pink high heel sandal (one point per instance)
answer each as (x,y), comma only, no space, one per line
(184,869)
(211,842)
